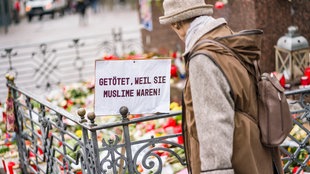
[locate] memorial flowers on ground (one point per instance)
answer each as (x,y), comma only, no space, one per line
(73,96)
(81,95)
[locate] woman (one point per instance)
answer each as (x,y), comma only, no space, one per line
(220,103)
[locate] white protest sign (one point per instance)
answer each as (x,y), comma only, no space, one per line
(141,85)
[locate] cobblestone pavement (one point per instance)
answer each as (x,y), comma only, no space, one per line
(69,26)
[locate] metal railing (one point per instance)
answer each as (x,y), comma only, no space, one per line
(40,67)
(52,140)
(48,143)
(296,148)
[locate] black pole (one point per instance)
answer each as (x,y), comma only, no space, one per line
(5,10)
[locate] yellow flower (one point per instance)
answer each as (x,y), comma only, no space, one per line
(173,105)
(79,133)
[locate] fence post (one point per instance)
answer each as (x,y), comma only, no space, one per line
(90,155)
(124,112)
(86,155)
(12,95)
(96,160)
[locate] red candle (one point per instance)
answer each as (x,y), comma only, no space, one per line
(282,81)
(307,73)
(10,167)
(304,80)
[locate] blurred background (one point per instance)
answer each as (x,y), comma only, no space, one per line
(45,43)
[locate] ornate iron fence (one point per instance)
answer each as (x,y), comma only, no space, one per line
(296,148)
(46,136)
(40,67)
(47,143)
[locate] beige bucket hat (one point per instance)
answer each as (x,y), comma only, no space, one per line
(178,10)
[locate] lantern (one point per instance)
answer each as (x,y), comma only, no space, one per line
(292,54)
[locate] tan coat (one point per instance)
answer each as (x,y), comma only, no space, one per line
(249,156)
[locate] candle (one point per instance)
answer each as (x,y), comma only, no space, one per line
(304,80)
(307,73)
(10,167)
(282,81)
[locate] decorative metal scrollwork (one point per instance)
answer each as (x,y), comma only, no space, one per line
(9,54)
(150,152)
(78,63)
(45,73)
(113,159)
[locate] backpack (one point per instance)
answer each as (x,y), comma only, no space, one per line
(274,118)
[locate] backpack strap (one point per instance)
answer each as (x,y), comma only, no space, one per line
(196,51)
(257,70)
(234,54)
